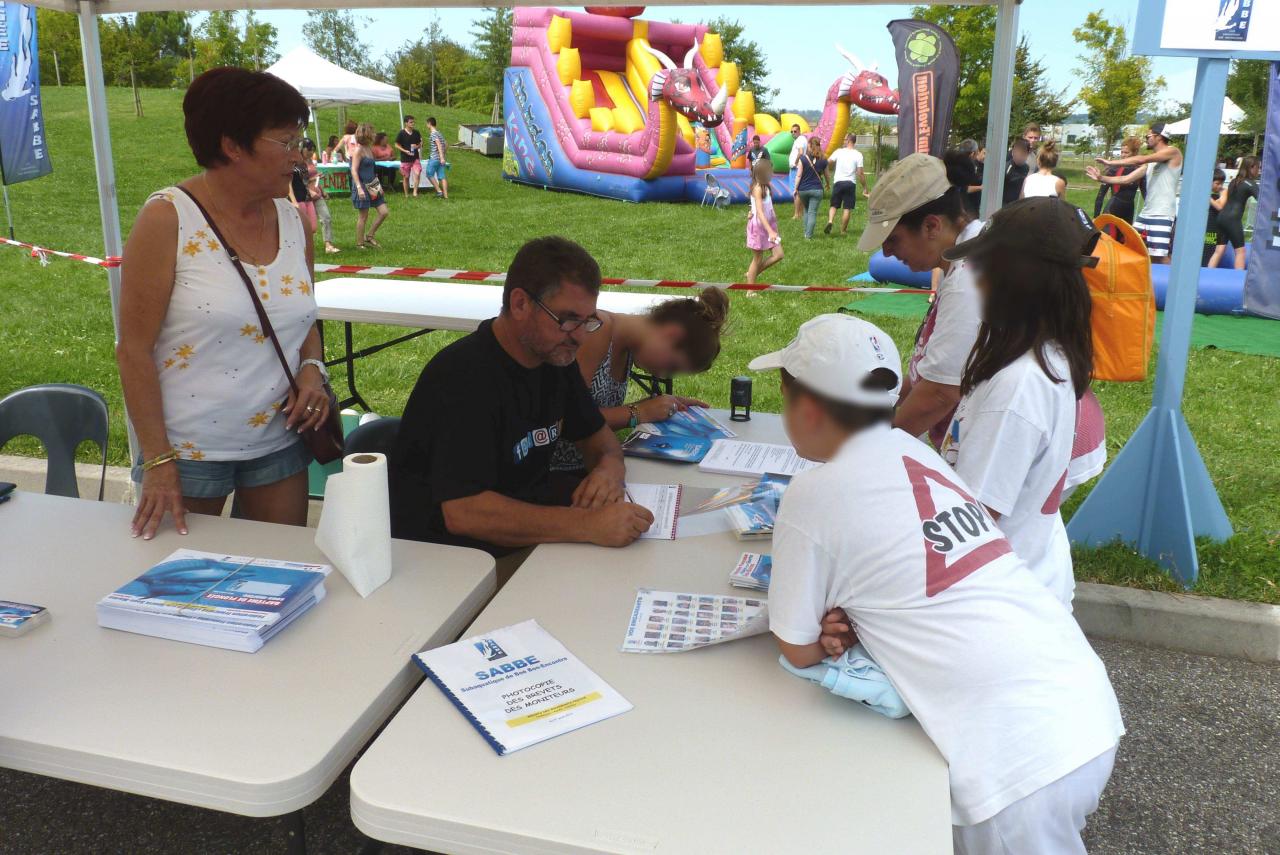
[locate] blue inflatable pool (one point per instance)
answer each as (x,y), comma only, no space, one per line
(1220,292)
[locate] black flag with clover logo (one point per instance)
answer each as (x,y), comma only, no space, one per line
(928,74)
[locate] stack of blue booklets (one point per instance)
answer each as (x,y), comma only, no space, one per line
(229,601)
(686,437)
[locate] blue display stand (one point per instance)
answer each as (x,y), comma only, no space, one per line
(1157,495)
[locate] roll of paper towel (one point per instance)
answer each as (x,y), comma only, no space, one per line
(355,525)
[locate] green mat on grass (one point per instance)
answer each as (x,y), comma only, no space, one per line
(1256,336)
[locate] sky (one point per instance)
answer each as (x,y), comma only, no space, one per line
(800,40)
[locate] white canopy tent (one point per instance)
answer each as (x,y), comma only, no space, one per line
(1231,114)
(999,103)
(325,84)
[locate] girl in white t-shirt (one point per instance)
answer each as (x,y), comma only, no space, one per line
(1012,434)
(1043,182)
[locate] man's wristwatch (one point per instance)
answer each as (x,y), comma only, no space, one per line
(635,416)
(324,372)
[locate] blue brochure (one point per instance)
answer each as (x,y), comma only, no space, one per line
(683,449)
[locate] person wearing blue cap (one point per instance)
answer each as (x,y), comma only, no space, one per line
(885,546)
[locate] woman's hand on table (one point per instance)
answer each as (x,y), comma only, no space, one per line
(662,407)
(161,494)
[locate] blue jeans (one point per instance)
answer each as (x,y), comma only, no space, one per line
(811,199)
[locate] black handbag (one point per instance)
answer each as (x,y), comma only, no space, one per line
(326,441)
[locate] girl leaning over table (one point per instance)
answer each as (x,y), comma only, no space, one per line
(204,388)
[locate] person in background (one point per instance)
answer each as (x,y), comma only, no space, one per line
(300,198)
(674,337)
(1123,196)
(471,463)
(316,194)
(755,151)
(1017,170)
(1043,182)
(1231,216)
(409,144)
(332,151)
(1031,133)
(366,190)
(1161,169)
(382,152)
(762,222)
(811,182)
(884,546)
(348,144)
(916,214)
(437,163)
(1012,434)
(799,144)
(1214,240)
(962,172)
(847,175)
(206,394)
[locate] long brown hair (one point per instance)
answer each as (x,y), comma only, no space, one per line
(703,319)
(1031,305)
(1247,164)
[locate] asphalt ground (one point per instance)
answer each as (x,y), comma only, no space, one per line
(1198,772)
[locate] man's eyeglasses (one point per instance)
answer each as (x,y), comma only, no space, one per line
(293,145)
(589,324)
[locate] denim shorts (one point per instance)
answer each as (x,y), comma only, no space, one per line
(435,169)
(214,479)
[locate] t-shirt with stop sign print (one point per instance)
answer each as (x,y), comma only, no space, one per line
(989,662)
(1010,440)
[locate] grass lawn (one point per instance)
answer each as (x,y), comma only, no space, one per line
(55,321)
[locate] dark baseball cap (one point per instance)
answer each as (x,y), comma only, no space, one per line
(1159,130)
(1042,226)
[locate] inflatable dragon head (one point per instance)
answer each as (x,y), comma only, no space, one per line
(680,87)
(867,88)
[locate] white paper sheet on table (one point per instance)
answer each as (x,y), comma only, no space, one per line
(736,457)
(672,622)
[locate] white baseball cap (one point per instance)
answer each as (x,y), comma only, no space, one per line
(834,354)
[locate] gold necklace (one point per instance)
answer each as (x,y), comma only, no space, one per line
(262,211)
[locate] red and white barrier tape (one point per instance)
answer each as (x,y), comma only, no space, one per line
(443,273)
(42,254)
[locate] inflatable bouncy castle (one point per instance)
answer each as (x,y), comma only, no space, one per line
(596,102)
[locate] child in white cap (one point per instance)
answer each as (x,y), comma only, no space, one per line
(886,544)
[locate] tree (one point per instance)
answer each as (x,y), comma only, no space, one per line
(1117,86)
(58,42)
(1247,86)
(492,35)
(1171,112)
(259,42)
(218,42)
(753,70)
(335,35)
(1033,100)
(973,29)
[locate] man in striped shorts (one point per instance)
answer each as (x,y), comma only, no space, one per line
(1161,168)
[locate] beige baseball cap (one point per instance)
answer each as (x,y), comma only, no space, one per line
(834,354)
(911,183)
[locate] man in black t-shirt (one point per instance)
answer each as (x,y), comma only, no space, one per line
(471,465)
(1016,172)
(409,144)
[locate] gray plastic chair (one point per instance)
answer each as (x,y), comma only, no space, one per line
(61,416)
(375,437)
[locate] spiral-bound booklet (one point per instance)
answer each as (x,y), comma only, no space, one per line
(519,686)
(663,501)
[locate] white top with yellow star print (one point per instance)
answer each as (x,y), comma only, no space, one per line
(220,379)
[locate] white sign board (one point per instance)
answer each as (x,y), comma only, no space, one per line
(1221,25)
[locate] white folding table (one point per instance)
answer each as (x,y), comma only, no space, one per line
(723,753)
(426,307)
(261,734)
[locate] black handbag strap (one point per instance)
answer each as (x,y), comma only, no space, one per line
(267,329)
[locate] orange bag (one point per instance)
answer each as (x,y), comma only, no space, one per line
(1124,303)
